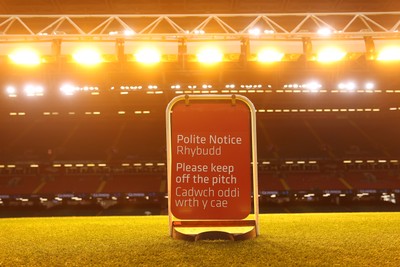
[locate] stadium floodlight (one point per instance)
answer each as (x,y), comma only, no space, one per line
(11,91)
(209,55)
(199,32)
(129,32)
(313,86)
(255,31)
(389,54)
(148,56)
(324,31)
(87,56)
(330,54)
(125,32)
(68,89)
(347,86)
(33,90)
(152,87)
(269,55)
(369,86)
(351,86)
(25,57)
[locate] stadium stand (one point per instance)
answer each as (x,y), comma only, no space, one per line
(103,144)
(68,184)
(17,185)
(112,158)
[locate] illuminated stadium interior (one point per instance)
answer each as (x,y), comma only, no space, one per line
(83,97)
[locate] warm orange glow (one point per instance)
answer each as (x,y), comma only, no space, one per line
(389,54)
(148,56)
(330,54)
(87,56)
(209,56)
(25,57)
(269,55)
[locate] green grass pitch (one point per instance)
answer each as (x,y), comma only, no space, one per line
(343,239)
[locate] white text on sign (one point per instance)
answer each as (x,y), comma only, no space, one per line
(212,139)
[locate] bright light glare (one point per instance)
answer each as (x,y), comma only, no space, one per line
(87,56)
(324,31)
(255,31)
(125,32)
(209,56)
(11,90)
(148,56)
(199,32)
(25,57)
(369,86)
(349,86)
(389,54)
(330,54)
(313,86)
(68,89)
(33,90)
(269,31)
(129,32)
(269,55)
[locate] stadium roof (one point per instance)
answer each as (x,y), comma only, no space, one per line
(55,28)
(192,6)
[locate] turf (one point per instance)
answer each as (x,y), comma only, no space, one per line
(346,239)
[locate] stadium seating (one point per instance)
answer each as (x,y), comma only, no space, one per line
(288,138)
(70,184)
(312,181)
(79,142)
(18,185)
(135,184)
(373,180)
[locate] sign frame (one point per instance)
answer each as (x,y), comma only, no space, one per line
(194,229)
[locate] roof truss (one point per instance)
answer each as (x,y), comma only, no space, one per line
(198,26)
